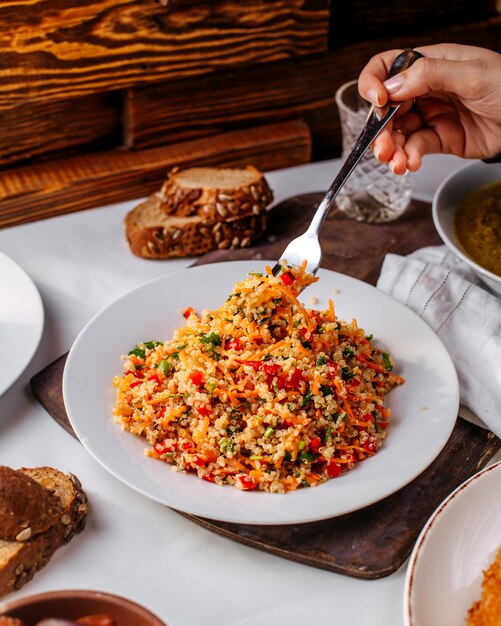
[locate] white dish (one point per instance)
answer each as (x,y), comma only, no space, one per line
(447,199)
(460,540)
(424,408)
(21,321)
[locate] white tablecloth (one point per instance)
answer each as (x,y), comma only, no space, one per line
(133,546)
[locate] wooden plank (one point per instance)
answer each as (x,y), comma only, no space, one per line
(359,20)
(60,128)
(49,189)
(227,100)
(56,50)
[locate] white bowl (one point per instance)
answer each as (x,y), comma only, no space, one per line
(446,200)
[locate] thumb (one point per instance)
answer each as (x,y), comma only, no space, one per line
(438,75)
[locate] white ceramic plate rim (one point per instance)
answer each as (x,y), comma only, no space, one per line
(446,239)
(23,305)
(420,545)
(371,481)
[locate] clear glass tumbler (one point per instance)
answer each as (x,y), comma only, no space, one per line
(372,193)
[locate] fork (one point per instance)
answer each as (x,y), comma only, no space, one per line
(307,246)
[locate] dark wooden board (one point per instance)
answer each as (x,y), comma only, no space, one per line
(81,182)
(376,540)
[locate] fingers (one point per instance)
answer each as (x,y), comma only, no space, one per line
(453,68)
(370,82)
(389,145)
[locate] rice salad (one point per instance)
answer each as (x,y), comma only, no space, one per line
(262,393)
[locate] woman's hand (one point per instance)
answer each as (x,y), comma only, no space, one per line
(456,110)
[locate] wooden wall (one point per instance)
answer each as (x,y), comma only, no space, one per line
(99,99)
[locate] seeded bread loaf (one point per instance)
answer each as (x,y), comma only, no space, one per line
(154,235)
(214,193)
(55,509)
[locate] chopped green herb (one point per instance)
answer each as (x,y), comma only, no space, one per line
(346,373)
(210,387)
(287,456)
(387,361)
(322,360)
(327,435)
(212,338)
(307,457)
(296,323)
(269,432)
(304,483)
(233,295)
(326,391)
(137,351)
(306,399)
(151,345)
(255,458)
(165,366)
(348,353)
(259,274)
(369,337)
(301,445)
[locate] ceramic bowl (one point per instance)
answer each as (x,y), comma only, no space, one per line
(73,604)
(447,199)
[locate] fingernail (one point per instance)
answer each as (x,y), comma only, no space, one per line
(376,152)
(391,165)
(373,96)
(394,83)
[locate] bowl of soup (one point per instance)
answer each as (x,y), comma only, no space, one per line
(467,215)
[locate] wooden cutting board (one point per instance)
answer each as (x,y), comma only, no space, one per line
(376,540)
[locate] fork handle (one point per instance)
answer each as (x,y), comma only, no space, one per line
(378,118)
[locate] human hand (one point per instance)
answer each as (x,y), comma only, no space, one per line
(457,106)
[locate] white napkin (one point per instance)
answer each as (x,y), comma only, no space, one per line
(466,316)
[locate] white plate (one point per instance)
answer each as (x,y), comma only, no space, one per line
(459,541)
(424,408)
(21,321)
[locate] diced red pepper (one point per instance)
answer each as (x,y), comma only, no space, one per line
(295,378)
(271,369)
(135,383)
(315,443)
(332,366)
(354,382)
(196,377)
(203,409)
(246,482)
(163,447)
(209,478)
(370,447)
(351,457)
(154,377)
(287,277)
(368,417)
(333,469)
(198,460)
(188,312)
(186,445)
(233,344)
(255,364)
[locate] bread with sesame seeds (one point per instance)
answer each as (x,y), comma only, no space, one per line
(41,510)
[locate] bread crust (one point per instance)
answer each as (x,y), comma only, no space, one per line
(211,202)
(20,560)
(33,513)
(153,235)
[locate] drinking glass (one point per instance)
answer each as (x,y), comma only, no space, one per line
(373,193)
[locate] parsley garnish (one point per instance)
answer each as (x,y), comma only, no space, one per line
(387,361)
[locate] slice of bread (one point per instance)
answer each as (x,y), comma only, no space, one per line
(215,193)
(154,235)
(34,545)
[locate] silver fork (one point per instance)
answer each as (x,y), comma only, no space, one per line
(307,246)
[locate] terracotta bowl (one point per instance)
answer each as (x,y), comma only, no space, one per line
(75,604)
